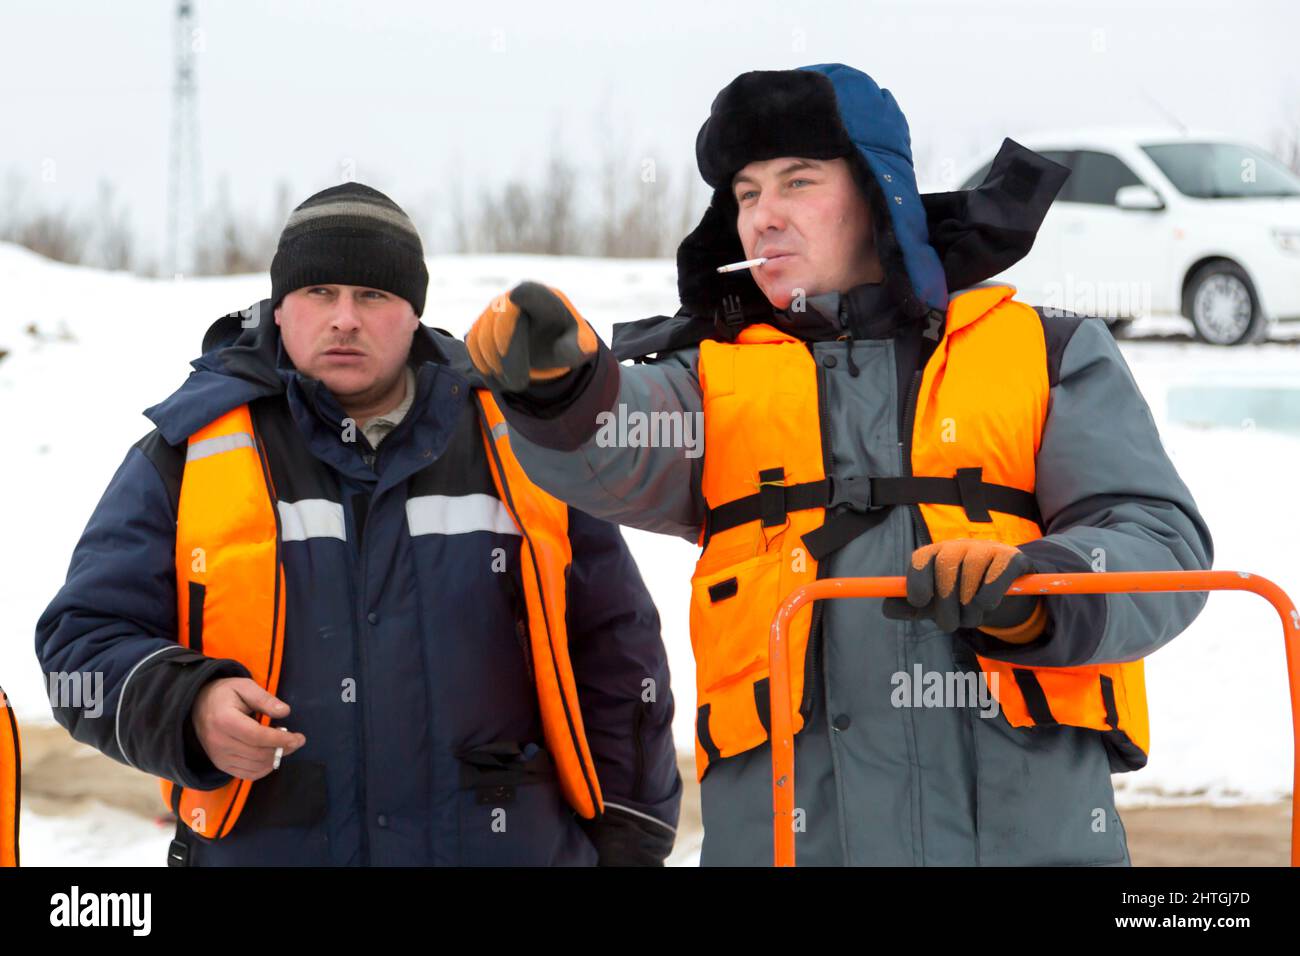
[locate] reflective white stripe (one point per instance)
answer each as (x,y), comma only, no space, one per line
(311,518)
(643,816)
(457,514)
(215,446)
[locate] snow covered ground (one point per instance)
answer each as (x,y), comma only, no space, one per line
(89,350)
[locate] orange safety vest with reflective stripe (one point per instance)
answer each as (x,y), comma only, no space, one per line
(765,482)
(230,587)
(10,783)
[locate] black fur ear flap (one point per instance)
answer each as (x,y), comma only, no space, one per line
(730,299)
(980,232)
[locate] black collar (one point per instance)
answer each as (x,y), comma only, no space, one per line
(867,311)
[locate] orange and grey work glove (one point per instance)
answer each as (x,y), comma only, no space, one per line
(530,334)
(984,570)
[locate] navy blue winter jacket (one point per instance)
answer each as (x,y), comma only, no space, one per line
(412,614)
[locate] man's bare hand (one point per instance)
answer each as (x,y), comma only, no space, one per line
(225,721)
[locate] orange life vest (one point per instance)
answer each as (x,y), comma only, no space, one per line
(10,783)
(972,475)
(230,586)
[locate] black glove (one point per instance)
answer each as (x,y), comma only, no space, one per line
(624,839)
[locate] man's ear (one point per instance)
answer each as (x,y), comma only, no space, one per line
(277,315)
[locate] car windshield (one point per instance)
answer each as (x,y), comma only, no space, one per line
(1222,171)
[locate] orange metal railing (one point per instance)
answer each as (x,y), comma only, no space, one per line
(783,830)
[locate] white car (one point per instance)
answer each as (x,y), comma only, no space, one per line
(1154,221)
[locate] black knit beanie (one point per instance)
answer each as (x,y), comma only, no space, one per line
(350,235)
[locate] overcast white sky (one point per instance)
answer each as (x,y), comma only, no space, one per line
(423,98)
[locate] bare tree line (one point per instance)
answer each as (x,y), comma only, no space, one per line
(1286,138)
(626,206)
(621,206)
(103,236)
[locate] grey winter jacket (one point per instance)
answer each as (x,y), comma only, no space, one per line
(879,783)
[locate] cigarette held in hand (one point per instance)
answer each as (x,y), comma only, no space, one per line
(747,264)
(279,752)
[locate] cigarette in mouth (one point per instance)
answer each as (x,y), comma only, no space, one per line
(747,264)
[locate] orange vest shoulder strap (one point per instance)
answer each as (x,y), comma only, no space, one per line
(545,555)
(230,585)
(959,423)
(763,479)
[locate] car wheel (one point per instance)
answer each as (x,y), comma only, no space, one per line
(1221,302)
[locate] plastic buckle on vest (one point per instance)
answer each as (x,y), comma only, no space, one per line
(861,515)
(178,854)
(730,319)
(853,491)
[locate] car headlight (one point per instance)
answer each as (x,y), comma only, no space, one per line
(1288,239)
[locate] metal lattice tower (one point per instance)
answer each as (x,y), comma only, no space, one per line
(183,183)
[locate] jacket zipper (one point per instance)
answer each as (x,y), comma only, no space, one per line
(960,656)
(637,719)
(368,451)
(813,651)
(519,611)
(905,469)
(358,592)
(905,455)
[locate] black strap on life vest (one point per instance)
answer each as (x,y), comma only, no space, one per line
(841,528)
(702,732)
(868,500)
(1035,697)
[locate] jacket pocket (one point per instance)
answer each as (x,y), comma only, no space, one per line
(284,823)
(295,795)
(730,614)
(1043,796)
(511,811)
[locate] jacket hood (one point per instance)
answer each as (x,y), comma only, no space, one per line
(243,360)
(928,245)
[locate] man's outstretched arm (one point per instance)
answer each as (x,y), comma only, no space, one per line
(566,427)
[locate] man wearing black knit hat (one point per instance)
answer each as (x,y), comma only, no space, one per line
(362,242)
(335,618)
